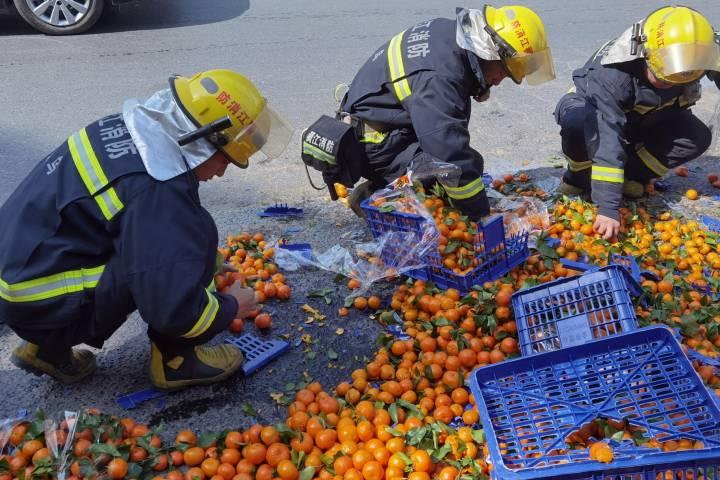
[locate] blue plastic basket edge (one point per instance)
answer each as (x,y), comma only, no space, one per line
(519,308)
(478,275)
(661,462)
(567,470)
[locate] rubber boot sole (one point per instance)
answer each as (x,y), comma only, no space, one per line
(38,371)
(172,386)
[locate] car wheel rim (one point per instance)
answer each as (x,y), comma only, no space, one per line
(59,13)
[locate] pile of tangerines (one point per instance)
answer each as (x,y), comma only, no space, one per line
(251,257)
(408,414)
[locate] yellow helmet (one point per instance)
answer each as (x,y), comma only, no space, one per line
(679,45)
(520,37)
(215,94)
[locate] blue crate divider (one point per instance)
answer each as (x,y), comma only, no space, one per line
(529,406)
(258,352)
(629,263)
(499,254)
(132,400)
(575,310)
(281,210)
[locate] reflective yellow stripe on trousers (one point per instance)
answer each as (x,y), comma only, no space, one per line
(51,286)
(608,174)
(650,161)
(466,191)
(92,174)
(397,68)
(574,166)
(207,317)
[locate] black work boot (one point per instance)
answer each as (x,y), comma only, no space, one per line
(68,367)
(176,367)
(359,194)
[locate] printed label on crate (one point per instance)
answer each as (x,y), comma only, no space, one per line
(574,331)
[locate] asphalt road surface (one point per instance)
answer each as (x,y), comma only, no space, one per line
(296,52)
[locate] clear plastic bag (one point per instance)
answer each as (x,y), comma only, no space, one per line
(60,451)
(524,214)
(6,428)
(366,264)
(408,249)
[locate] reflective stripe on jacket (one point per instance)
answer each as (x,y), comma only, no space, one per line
(90,200)
(422,80)
(623,101)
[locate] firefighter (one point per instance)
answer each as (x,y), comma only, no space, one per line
(627,120)
(111,222)
(414,94)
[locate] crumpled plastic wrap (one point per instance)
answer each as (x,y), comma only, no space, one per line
(406,248)
(364,262)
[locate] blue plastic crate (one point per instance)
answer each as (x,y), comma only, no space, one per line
(712,223)
(258,352)
(499,253)
(575,310)
(529,406)
(695,355)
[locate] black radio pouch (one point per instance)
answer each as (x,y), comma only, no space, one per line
(330,146)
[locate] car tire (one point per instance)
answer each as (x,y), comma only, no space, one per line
(63,25)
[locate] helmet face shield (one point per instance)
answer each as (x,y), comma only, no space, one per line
(683,62)
(269,134)
(536,67)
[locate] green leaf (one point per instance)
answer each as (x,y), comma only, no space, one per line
(4,466)
(248,410)
(404,458)
(394,432)
(393,412)
(207,439)
(439,454)
(320,293)
(87,467)
(479,435)
(311,355)
(639,439)
(97,449)
(546,251)
(387,208)
(43,468)
(284,430)
(452,246)
(428,372)
(618,436)
(134,470)
(308,473)
(348,302)
(412,409)
(332,355)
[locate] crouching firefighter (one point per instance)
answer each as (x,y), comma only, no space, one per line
(414,96)
(111,222)
(627,120)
